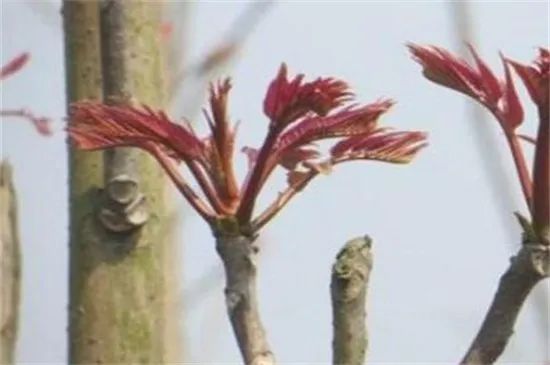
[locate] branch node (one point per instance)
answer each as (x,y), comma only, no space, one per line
(122,189)
(125,208)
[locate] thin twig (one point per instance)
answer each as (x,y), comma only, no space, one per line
(349,283)
(42,124)
(527,138)
(227,47)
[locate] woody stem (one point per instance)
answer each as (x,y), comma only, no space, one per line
(530,266)
(239,255)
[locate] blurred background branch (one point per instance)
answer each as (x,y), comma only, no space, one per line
(10,265)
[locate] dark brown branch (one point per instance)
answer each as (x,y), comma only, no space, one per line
(239,254)
(527,268)
(10,266)
(349,282)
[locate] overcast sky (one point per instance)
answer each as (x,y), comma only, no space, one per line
(441,239)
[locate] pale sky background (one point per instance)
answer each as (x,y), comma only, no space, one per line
(440,240)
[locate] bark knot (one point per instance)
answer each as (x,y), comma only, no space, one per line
(125,208)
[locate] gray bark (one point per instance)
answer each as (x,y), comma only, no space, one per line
(527,268)
(10,265)
(121,283)
(239,255)
(349,283)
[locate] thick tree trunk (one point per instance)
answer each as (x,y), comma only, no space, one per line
(10,266)
(119,285)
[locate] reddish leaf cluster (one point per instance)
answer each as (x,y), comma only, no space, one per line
(500,97)
(476,81)
(41,124)
(301,114)
(535,77)
(288,100)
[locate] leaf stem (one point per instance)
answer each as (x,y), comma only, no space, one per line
(521,168)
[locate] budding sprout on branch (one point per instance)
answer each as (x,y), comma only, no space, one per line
(499,96)
(300,114)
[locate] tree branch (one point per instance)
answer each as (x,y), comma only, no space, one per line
(350,277)
(239,254)
(10,266)
(227,48)
(527,268)
(125,207)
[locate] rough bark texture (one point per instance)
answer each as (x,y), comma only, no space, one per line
(527,268)
(10,266)
(239,254)
(118,281)
(349,282)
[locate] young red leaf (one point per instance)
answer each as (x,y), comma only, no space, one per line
(536,77)
(509,109)
(41,124)
(14,65)
(288,100)
(479,82)
(220,145)
(381,145)
(490,83)
(99,126)
(293,157)
(347,122)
